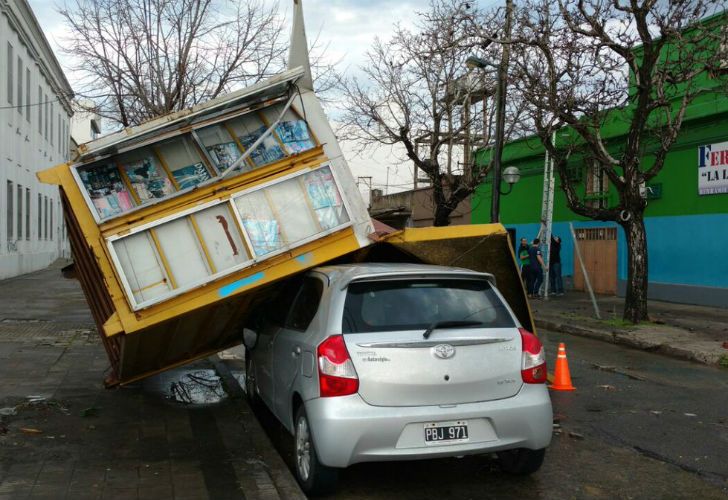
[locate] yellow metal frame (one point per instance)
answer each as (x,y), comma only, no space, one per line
(127,321)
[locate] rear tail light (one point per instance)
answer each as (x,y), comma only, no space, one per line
(337,376)
(533,364)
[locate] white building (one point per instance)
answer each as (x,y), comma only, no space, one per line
(85,125)
(35,111)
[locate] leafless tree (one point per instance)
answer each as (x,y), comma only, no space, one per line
(416,86)
(138,59)
(595,69)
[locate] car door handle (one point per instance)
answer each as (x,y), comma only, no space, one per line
(296,352)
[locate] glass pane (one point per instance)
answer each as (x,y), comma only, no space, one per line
(259,222)
(292,130)
(146,175)
(293,210)
(296,216)
(222,148)
(107,190)
(325,198)
(183,160)
(222,236)
(415,304)
(141,267)
(249,128)
(182,249)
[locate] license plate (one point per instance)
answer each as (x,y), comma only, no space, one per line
(446,432)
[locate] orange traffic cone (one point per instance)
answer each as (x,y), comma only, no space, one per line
(562,377)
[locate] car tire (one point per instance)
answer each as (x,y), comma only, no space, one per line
(251,385)
(314,477)
(520,462)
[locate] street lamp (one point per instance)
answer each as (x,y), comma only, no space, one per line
(511,175)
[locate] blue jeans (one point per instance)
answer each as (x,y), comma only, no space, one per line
(556,284)
(536,281)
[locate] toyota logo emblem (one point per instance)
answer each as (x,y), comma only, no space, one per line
(443,351)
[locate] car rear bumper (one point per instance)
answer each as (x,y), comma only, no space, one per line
(347,430)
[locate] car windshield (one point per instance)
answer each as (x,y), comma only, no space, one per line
(414,304)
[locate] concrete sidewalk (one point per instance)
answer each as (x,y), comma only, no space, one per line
(684,331)
(63,435)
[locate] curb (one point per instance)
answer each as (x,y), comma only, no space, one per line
(286,487)
(630,340)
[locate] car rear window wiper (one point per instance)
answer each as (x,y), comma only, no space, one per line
(449,324)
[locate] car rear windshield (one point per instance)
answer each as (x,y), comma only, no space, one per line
(375,306)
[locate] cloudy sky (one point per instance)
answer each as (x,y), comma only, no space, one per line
(349,28)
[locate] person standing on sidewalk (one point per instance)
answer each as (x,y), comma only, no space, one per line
(537,268)
(523,259)
(556,284)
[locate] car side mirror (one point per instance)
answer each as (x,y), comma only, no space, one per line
(250,338)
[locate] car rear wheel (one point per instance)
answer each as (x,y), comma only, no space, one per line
(520,462)
(314,477)
(251,385)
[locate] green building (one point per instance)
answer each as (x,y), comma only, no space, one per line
(686,218)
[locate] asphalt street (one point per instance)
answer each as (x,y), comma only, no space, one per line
(639,425)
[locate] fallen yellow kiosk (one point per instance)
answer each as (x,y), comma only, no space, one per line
(177,225)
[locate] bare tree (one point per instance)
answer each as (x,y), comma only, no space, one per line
(415,93)
(583,65)
(138,59)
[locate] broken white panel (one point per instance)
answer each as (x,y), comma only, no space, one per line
(141,267)
(182,249)
(222,237)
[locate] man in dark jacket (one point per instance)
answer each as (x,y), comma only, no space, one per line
(537,267)
(556,284)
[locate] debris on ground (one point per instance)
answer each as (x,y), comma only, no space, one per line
(576,435)
(30,430)
(8,412)
(90,412)
(607,387)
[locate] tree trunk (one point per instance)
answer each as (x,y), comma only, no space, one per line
(442,216)
(635,302)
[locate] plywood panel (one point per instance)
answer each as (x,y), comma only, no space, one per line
(599,250)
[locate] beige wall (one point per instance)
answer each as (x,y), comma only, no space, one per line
(418,203)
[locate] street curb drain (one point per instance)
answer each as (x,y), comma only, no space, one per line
(286,487)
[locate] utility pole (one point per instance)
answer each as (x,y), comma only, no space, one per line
(500,111)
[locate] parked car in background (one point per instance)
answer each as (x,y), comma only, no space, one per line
(376,362)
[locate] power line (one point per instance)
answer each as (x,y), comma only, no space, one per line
(57,99)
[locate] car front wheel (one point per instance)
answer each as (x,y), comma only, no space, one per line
(520,462)
(314,477)
(251,385)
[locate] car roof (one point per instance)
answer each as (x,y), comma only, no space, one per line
(343,274)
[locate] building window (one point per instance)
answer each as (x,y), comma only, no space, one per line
(45,220)
(597,186)
(47,114)
(10,73)
(9,203)
(40,216)
(27,213)
(52,109)
(50,223)
(20,212)
(27,94)
(20,87)
(40,110)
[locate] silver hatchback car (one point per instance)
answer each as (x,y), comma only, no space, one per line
(374,362)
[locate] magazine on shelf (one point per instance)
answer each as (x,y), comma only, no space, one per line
(267,152)
(295,136)
(191,175)
(148,179)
